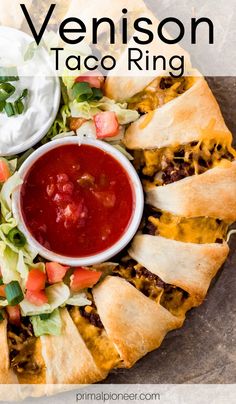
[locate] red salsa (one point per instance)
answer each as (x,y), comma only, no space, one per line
(77,200)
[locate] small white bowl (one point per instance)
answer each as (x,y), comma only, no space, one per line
(21,40)
(134,222)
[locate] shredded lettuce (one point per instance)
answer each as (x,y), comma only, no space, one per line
(87,110)
(60,124)
(78,299)
(8,263)
(124,152)
(50,326)
(57,295)
(22,268)
(68,81)
(87,130)
(5,196)
(9,222)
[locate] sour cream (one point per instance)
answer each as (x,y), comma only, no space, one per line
(20,132)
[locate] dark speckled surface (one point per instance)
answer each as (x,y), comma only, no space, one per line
(204,350)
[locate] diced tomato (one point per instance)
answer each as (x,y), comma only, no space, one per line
(94,79)
(83,278)
(38,298)
(2,291)
(4,171)
(36,280)
(55,272)
(106,124)
(14,314)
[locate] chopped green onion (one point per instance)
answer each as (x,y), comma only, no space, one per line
(97,94)
(14,293)
(9,109)
(2,105)
(18,107)
(45,316)
(1,281)
(2,317)
(16,237)
(6,90)
(8,74)
(82,92)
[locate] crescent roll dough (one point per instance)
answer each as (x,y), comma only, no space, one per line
(67,358)
(120,85)
(210,194)
(6,374)
(186,265)
(180,121)
(134,323)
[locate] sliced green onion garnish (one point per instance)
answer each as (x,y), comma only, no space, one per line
(6,90)
(2,105)
(2,317)
(1,281)
(97,94)
(9,109)
(8,74)
(18,107)
(45,316)
(82,92)
(14,293)
(16,237)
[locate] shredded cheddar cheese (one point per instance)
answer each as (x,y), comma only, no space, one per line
(157,94)
(97,341)
(191,230)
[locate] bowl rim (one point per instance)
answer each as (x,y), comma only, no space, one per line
(40,133)
(134,221)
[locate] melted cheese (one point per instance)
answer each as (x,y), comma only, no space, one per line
(191,230)
(153,96)
(175,301)
(209,149)
(172,298)
(38,378)
(97,341)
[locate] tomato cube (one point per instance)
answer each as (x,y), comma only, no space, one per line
(36,280)
(83,278)
(55,272)
(106,124)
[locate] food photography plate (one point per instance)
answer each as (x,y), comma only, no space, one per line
(118,202)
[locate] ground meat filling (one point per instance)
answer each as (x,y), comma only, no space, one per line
(167,165)
(21,341)
(158,93)
(169,296)
(91,314)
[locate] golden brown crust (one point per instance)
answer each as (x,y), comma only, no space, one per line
(180,121)
(186,265)
(63,366)
(210,194)
(134,323)
(120,85)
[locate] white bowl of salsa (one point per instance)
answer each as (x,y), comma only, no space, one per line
(81,201)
